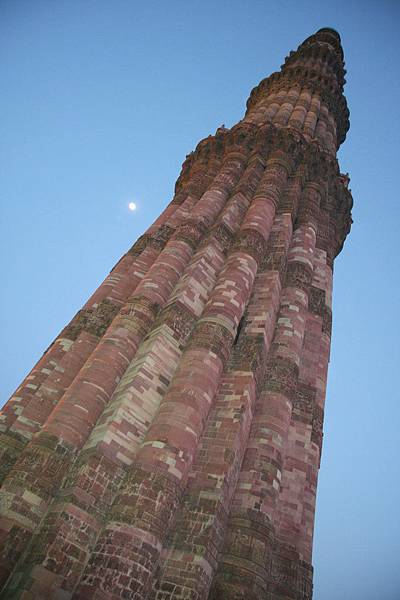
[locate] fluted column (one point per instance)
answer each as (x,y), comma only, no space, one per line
(302,458)
(190,558)
(244,562)
(291,569)
(300,110)
(181,416)
(311,119)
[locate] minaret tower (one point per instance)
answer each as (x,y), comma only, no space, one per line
(167,444)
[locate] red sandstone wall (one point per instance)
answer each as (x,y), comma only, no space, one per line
(167,444)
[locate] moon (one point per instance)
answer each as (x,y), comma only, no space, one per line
(132,206)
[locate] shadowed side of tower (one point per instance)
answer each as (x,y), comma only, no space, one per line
(167,444)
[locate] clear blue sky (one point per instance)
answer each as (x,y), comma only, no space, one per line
(100,103)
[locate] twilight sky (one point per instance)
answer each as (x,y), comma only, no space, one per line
(101,101)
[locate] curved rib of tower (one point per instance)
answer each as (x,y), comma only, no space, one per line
(167,444)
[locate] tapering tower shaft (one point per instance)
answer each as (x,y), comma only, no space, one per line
(167,445)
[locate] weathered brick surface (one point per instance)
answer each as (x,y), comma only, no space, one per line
(258,484)
(77,412)
(136,399)
(200,530)
(171,441)
(167,445)
(34,400)
(223,307)
(295,513)
(110,359)
(111,292)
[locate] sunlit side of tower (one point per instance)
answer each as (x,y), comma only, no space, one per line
(167,444)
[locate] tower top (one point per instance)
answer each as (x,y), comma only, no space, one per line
(327,35)
(318,66)
(329,31)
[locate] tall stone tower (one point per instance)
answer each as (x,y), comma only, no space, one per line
(167,444)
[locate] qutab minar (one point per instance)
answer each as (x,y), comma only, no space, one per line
(167,444)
